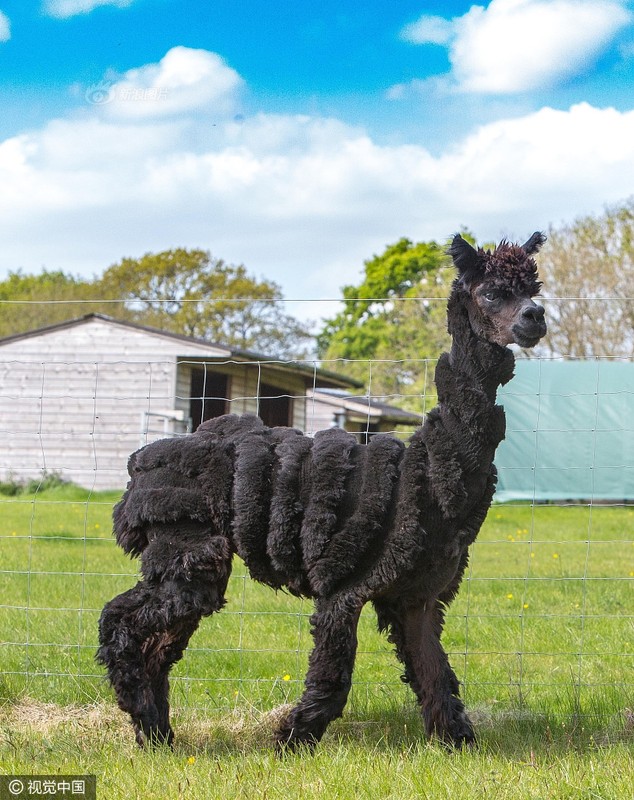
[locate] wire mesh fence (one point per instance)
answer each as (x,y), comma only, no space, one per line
(544,619)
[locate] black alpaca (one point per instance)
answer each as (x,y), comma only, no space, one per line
(329,519)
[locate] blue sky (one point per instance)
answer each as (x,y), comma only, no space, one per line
(300,138)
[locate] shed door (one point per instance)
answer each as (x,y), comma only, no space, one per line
(275,406)
(208,395)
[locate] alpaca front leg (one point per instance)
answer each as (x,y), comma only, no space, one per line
(436,684)
(329,677)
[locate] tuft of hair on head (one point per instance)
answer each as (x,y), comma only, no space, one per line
(510,265)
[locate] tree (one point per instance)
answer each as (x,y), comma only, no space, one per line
(34,301)
(191,292)
(588,266)
(184,291)
(393,321)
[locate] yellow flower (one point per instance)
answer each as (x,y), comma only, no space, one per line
(191,760)
(555,555)
(525,605)
(509,596)
(286,678)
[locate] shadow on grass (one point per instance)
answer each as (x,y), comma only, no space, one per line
(514,734)
(517,735)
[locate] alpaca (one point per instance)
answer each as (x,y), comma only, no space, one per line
(328,519)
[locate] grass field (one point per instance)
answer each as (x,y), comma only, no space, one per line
(541,636)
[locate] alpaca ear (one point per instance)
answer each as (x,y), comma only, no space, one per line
(534,243)
(465,259)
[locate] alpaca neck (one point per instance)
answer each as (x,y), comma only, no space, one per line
(477,365)
(475,362)
(467,380)
(457,441)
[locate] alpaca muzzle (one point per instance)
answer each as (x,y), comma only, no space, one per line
(531,326)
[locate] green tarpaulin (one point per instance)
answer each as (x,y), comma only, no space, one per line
(569,432)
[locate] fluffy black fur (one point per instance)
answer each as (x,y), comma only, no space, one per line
(327,518)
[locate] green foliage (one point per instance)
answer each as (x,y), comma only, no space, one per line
(49,480)
(183,291)
(193,293)
(34,301)
(10,488)
(396,317)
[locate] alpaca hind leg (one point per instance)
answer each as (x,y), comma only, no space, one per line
(142,634)
(436,684)
(390,621)
(129,629)
(145,630)
(329,677)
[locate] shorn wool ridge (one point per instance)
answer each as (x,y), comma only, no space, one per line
(328,519)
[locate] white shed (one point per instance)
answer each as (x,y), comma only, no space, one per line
(360,414)
(78,397)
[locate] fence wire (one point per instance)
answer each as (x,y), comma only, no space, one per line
(544,619)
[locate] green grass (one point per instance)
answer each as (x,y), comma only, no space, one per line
(231,757)
(541,637)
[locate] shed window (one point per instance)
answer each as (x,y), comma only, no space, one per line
(208,395)
(275,405)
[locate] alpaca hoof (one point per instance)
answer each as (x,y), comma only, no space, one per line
(454,731)
(462,740)
(295,744)
(149,737)
(459,734)
(290,739)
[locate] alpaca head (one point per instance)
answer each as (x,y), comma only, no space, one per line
(497,289)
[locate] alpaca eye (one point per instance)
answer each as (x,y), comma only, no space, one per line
(490,296)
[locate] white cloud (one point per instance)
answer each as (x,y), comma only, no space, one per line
(519,45)
(62,9)
(5,28)
(428,29)
(553,163)
(299,199)
(183,80)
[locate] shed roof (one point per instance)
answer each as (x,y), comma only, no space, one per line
(367,406)
(308,369)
